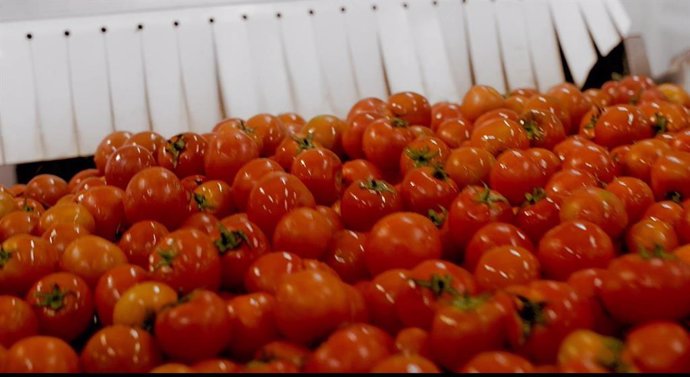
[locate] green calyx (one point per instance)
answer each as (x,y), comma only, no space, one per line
(489,197)
(54,299)
(376,185)
(421,157)
(535,196)
(674,196)
(399,123)
(467,302)
(5,257)
(304,143)
(437,217)
(531,314)
(230,239)
(167,257)
(660,125)
(657,252)
(175,146)
(534,132)
(438,285)
(201,202)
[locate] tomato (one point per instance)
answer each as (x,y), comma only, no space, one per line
(172,368)
(138,241)
(112,285)
(183,154)
(345,255)
(7,203)
(454,131)
(544,129)
(413,341)
(25,259)
(204,222)
(304,232)
(469,166)
(239,243)
(570,145)
(670,176)
(266,272)
(594,160)
(427,188)
(537,215)
(443,111)
(629,88)
(492,235)
(41,354)
(247,177)
(480,99)
(563,183)
(497,362)
(550,104)
(88,183)
(675,94)
(140,303)
(664,116)
(47,189)
(280,350)
(186,260)
(423,151)
(107,147)
(364,202)
(431,284)
(273,196)
(651,233)
(503,266)
(543,314)
(646,286)
(500,113)
(271,131)
(71,213)
(125,162)
(681,141)
(61,235)
(659,347)
(28,205)
(585,346)
(411,107)
(18,321)
(353,133)
(573,246)
(401,240)
(401,363)
(571,100)
(155,194)
(667,211)
(147,139)
(310,304)
(598,206)
(369,105)
(120,349)
(81,176)
(327,130)
(105,204)
(597,97)
(622,124)
(321,171)
(384,141)
(353,349)
(293,122)
(18,222)
(196,328)
(193,181)
(381,294)
(635,194)
(497,135)
(475,207)
(63,305)
(252,319)
(617,157)
(470,325)
(216,366)
(515,175)
(226,153)
(293,146)
(90,256)
(213,197)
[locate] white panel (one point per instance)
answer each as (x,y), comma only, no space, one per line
(574,38)
(546,59)
(362,36)
(303,62)
(90,91)
(600,25)
(126,70)
(21,135)
(619,15)
(268,60)
(51,71)
(334,55)
(235,69)
(431,52)
(164,77)
(198,62)
(514,46)
(484,49)
(452,18)
(402,68)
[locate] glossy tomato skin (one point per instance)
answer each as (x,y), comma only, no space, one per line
(18,223)
(423,151)
(213,197)
(63,305)
(196,329)
(469,166)
(247,177)
(226,153)
(354,170)
(651,233)
(345,255)
(480,99)
(47,189)
(266,272)
(401,240)
(91,256)
(186,260)
(597,206)
(497,135)
(641,156)
(327,131)
(120,348)
(25,259)
(620,125)
(112,285)
(155,194)
(442,111)
(413,340)
(544,129)
(252,319)
(353,349)
(563,183)
(427,188)
(216,366)
(204,222)
(537,215)
(291,147)
(183,154)
(492,235)
(41,354)
(454,132)
(125,162)
(670,176)
(402,363)
(293,122)
(505,266)
(138,241)
(139,304)
(571,99)
(384,141)
(18,320)
(635,194)
(659,347)
(321,171)
(304,232)
(364,202)
(475,207)
(411,107)
(592,159)
(147,139)
(647,286)
(275,195)
(353,133)
(68,213)
(497,362)
(107,147)
(515,175)
(105,203)
(369,105)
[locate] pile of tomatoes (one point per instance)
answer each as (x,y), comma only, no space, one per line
(506,233)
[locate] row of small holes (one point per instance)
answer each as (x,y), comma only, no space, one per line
(244,17)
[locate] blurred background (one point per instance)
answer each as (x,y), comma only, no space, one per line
(72,71)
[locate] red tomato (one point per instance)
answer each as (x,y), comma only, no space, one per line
(125,162)
(226,153)
(651,233)
(252,319)
(353,133)
(497,362)
(573,246)
(592,159)
(247,177)
(345,255)
(454,131)
(638,161)
(469,166)
(193,181)
(585,350)
(63,305)
(515,175)
(90,256)
(213,197)
(293,122)
(504,266)
(270,129)
(47,189)
(195,329)
(112,285)
(411,107)
(598,206)
(475,207)
(107,147)
(571,100)
(381,295)
(480,99)
(204,222)
(353,349)
(304,232)
(139,304)
(544,129)
(369,105)
(563,183)
(138,241)
(321,171)
(537,215)
(427,188)
(667,211)
(18,222)
(550,104)
(291,147)
(497,135)
(105,203)
(664,116)
(364,202)
(41,354)
(501,113)
(266,272)
(216,366)
(413,341)
(442,111)
(659,347)
(491,235)
(670,176)
(9,204)
(147,139)
(17,322)
(619,125)
(384,140)
(88,183)
(401,363)
(635,194)
(401,240)
(354,170)
(68,213)
(120,349)
(25,259)
(183,154)
(155,194)
(423,151)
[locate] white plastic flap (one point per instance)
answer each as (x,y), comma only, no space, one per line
(90,85)
(235,70)
(363,41)
(431,52)
(600,25)
(198,62)
(51,71)
(402,69)
(574,37)
(451,16)
(126,69)
(484,48)
(162,68)
(620,17)
(308,85)
(21,135)
(514,45)
(543,44)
